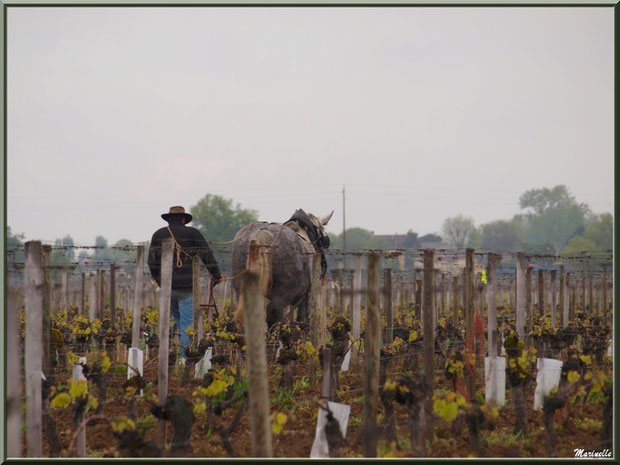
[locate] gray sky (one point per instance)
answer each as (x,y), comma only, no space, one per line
(115,114)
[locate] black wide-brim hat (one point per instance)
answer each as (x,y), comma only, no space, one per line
(177,212)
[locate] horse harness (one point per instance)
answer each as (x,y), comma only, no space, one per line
(179,264)
(319,240)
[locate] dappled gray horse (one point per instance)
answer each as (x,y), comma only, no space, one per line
(292,247)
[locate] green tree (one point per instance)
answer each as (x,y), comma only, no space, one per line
(14,249)
(501,236)
(123,255)
(217,218)
(358,239)
(474,238)
(59,259)
(553,216)
(601,231)
(430,238)
(458,229)
(579,245)
(13,240)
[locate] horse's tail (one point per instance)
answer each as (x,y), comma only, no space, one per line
(259,261)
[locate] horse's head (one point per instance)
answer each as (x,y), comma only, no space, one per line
(314,227)
(319,224)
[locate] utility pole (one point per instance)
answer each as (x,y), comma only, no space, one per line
(344,232)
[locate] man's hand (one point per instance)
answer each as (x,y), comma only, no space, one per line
(216,281)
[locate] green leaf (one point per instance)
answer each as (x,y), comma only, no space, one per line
(573,376)
(62,400)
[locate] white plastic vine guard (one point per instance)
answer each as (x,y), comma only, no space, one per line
(548,377)
(341,413)
(78,373)
(495,381)
(347,359)
(204,364)
(135,361)
(280,346)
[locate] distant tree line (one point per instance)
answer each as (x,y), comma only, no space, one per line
(551,222)
(64,255)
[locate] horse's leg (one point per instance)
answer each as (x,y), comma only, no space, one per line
(302,311)
(275,310)
(275,313)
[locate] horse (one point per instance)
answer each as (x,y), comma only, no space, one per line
(287,271)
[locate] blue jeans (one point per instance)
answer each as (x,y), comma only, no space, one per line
(182,310)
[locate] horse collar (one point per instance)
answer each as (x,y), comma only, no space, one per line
(302,219)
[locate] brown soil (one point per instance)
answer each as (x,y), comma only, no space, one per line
(297,436)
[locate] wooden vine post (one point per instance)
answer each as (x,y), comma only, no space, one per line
(258,380)
(491,304)
(418,298)
(113,293)
(314,315)
(599,295)
(164,325)
(224,289)
(101,293)
(436,299)
(357,305)
(13,380)
(83,296)
(464,292)
(113,306)
(521,295)
(573,298)
(64,290)
(387,294)
(92,296)
(34,284)
(554,321)
(399,294)
(519,390)
(137,299)
(341,281)
(469,315)
(590,295)
(46,252)
(562,297)
(429,336)
(455,300)
(371,358)
(443,295)
(528,302)
(98,291)
(542,308)
(582,299)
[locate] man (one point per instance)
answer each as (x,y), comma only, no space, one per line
(188,242)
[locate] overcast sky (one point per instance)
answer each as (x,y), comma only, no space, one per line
(116,114)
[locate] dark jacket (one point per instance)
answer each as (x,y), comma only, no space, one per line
(193,243)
